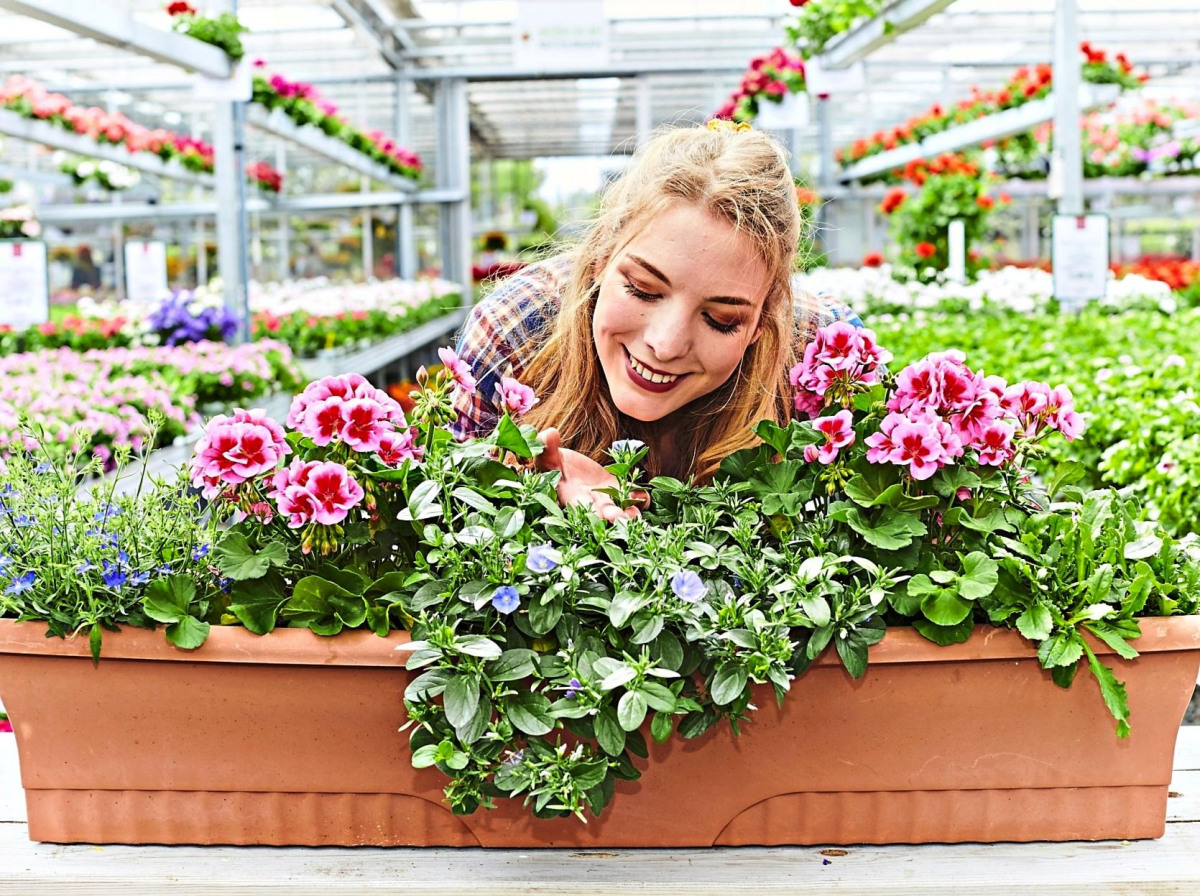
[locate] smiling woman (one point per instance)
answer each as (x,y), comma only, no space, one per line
(672,322)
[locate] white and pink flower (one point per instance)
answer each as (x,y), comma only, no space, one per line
(513,397)
(839,433)
(236,449)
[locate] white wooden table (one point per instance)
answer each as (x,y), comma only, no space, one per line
(1169,865)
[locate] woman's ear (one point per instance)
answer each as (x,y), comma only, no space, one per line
(758,331)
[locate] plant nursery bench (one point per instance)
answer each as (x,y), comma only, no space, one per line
(1168,865)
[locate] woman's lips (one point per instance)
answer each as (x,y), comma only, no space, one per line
(642,383)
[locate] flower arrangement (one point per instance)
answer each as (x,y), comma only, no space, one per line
(105,174)
(17,222)
(266,176)
(302,103)
(223,31)
(920,224)
(551,644)
(768,78)
(1028,83)
(183,318)
(819,21)
(30,100)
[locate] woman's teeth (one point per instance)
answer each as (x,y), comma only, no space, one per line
(648,375)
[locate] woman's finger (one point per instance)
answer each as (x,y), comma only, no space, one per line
(641,499)
(551,456)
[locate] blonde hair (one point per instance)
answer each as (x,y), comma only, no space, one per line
(741,178)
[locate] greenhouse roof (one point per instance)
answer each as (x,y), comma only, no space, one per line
(690,54)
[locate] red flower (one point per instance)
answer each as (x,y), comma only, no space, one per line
(892,200)
(798,2)
(987,203)
(180,8)
(872,259)
(926,250)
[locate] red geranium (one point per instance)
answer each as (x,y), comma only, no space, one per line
(180,8)
(872,259)
(925,250)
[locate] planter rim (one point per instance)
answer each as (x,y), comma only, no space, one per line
(234,644)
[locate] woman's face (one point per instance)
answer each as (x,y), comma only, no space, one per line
(678,306)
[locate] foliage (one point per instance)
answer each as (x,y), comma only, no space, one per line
(223,31)
(86,563)
(769,78)
(106,175)
(820,21)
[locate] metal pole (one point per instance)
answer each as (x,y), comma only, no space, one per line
(644,111)
(285,222)
(823,223)
(228,131)
(1066,175)
(454,172)
(368,245)
(406,237)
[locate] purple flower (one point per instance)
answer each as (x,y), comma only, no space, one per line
(574,686)
(200,551)
(541,558)
(4,561)
(24,521)
(106,511)
(21,584)
(687,586)
(505,599)
(84,567)
(139,578)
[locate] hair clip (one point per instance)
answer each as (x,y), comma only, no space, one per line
(724,124)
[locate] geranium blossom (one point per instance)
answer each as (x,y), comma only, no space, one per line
(458,369)
(842,358)
(321,492)
(235,449)
(396,447)
(514,397)
(839,433)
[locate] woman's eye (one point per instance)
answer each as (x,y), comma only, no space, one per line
(721,327)
(640,293)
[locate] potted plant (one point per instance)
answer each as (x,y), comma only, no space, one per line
(695,676)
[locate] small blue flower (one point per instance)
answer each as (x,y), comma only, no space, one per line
(85,566)
(574,686)
(200,551)
(513,758)
(505,599)
(630,445)
(43,467)
(114,577)
(541,558)
(225,584)
(139,578)
(165,569)
(106,511)
(23,521)
(9,490)
(21,584)
(122,557)
(4,561)
(687,586)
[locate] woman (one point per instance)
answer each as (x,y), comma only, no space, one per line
(673,321)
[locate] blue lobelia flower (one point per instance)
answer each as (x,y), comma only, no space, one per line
(85,566)
(541,558)
(200,551)
(4,562)
(687,586)
(574,686)
(24,521)
(139,578)
(505,599)
(114,576)
(21,584)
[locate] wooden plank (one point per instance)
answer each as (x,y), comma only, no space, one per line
(1183,798)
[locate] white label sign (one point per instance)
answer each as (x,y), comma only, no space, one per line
(817,80)
(237,88)
(791,113)
(24,292)
(146,271)
(566,33)
(1079,253)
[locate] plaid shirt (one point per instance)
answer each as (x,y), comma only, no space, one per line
(505,330)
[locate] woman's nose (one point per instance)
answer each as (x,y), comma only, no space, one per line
(668,334)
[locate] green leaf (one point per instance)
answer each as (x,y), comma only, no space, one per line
(257,603)
(544,616)
(657,696)
(950,478)
(979,577)
(509,437)
(945,634)
(1035,623)
(1064,675)
(1147,546)
(168,599)
(461,699)
(425,757)
(472,498)
(894,530)
(512,665)
(631,710)
(728,683)
(661,725)
(529,712)
(237,560)
(624,605)
(854,656)
(428,684)
(188,633)
(1066,473)
(1113,639)
(478,646)
(774,435)
(945,607)
(1112,690)
(423,502)
(609,733)
(1061,649)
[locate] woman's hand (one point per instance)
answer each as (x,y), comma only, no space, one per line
(580,478)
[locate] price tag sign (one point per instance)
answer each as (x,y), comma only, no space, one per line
(1079,253)
(554,33)
(24,283)
(791,113)
(237,88)
(146,271)
(817,80)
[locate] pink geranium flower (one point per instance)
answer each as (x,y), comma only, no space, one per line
(995,444)
(839,433)
(364,423)
(315,492)
(841,357)
(1061,413)
(397,447)
(458,369)
(918,447)
(235,449)
(514,397)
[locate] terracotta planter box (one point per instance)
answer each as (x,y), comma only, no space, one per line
(291,739)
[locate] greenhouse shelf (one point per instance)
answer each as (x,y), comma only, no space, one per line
(47,134)
(101,22)
(992,127)
(892,21)
(378,356)
(1182,185)
(313,139)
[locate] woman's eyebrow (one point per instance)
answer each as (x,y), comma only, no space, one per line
(722,300)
